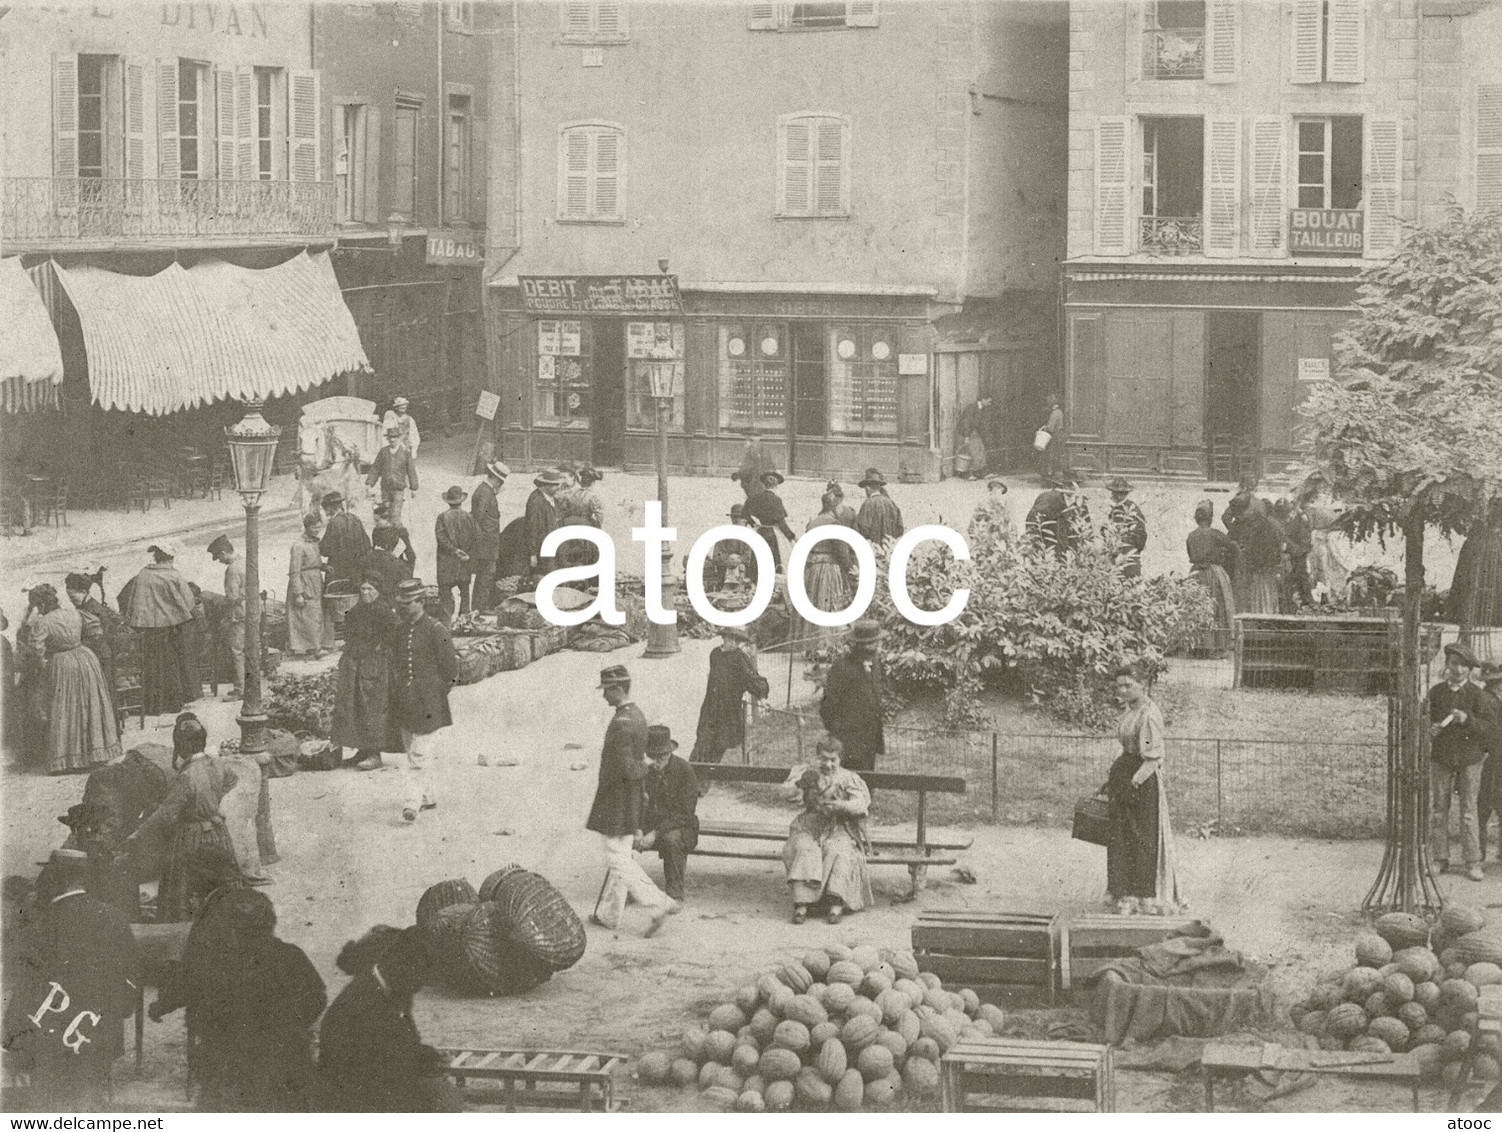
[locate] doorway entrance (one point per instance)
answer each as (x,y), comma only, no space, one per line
(1233,391)
(608,413)
(809,417)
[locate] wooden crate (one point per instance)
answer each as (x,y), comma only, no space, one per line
(996,954)
(570,1080)
(1013,1075)
(1089,943)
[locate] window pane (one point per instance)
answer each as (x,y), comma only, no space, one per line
(562,384)
(653,349)
(187,119)
(187,150)
(1181,13)
(1312,136)
(90,155)
(819,15)
(863,381)
(1311,169)
(1345,162)
(1311,196)
(753,377)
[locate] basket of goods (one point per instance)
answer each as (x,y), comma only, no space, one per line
(340,597)
(1092,821)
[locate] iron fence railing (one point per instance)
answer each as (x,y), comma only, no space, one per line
(125,209)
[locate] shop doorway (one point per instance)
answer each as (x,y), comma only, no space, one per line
(608,413)
(810,400)
(1233,391)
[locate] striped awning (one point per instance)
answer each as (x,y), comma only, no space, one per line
(192,336)
(31,364)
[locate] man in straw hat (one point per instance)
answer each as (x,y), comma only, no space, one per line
(485,509)
(1457,747)
(456,534)
(1130,526)
(542,517)
(221,550)
(851,708)
(616,814)
(395,469)
(722,716)
(424,667)
(879,518)
(670,825)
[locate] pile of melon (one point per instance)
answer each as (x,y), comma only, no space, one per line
(840,1028)
(1414,988)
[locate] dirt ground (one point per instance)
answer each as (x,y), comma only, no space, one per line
(348,862)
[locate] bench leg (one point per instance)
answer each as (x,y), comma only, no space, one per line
(919,875)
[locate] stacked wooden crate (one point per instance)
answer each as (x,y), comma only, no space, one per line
(999,955)
(1089,943)
(1014,1075)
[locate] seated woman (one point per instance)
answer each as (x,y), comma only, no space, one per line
(825,853)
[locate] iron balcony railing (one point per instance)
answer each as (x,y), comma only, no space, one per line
(38,209)
(1173,53)
(1171,235)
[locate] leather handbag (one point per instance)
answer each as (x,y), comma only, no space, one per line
(1091,820)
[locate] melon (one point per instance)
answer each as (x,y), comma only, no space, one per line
(754,1084)
(1457,1043)
(1429,1059)
(1314,1023)
(939,1030)
(912,988)
(709,1074)
(796,976)
(717,1098)
(818,1035)
(1457,994)
(920,1076)
(875,984)
(894,1042)
(806,1009)
(1378,1005)
(875,1061)
(956,1019)
(836,952)
(791,1035)
(969,1001)
(936,1000)
(1428,1034)
(902,963)
(768,985)
(1325,995)
(683,1072)
(881,1093)
(831,1062)
(930,980)
(1456,920)
(1346,1020)
(816,963)
(811,1089)
(969,1033)
(1398,988)
(864,1007)
(1367,1044)
(779,1096)
(653,1068)
(838,997)
(1360,984)
(745,1057)
(1484,1067)
(747,999)
(693,1044)
(762,1024)
(925,1049)
(850,1092)
(1372,950)
(1391,1031)
(728,1017)
(845,972)
(778,1064)
(866,956)
(1426,994)
(778,1002)
(995,1016)
(1414,1016)
(894,1005)
(1455,970)
(1483,974)
(1403,929)
(1477,948)
(985,1028)
(719,1047)
(750,1101)
(728,1078)
(858,1033)
(909,1027)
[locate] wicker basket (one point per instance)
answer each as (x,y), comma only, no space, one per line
(489,885)
(441,895)
(444,936)
(500,964)
(1092,821)
(539,920)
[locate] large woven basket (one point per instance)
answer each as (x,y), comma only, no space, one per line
(539,920)
(489,885)
(500,965)
(444,936)
(441,895)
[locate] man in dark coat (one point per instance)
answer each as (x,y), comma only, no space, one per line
(616,814)
(851,708)
(879,519)
(485,509)
(385,561)
(1458,747)
(1126,519)
(722,717)
(767,514)
(424,666)
(344,542)
(455,533)
(395,469)
(670,825)
(75,984)
(542,517)
(1053,522)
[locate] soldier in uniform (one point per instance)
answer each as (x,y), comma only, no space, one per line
(424,668)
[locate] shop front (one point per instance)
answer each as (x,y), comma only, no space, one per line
(831,384)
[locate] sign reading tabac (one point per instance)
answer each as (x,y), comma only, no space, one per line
(600,294)
(1326,231)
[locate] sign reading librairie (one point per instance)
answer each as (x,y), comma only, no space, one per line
(1326,231)
(461,248)
(600,294)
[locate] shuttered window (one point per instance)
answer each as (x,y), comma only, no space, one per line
(1111,185)
(458,159)
(1382,175)
(1268,217)
(594,21)
(592,172)
(1223,211)
(404,160)
(1328,41)
(817,15)
(303,120)
(1488,146)
(813,165)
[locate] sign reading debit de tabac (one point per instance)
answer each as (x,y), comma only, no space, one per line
(600,294)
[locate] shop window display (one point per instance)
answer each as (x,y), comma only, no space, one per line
(563,373)
(754,377)
(863,380)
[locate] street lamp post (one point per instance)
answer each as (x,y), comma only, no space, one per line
(662,640)
(252,447)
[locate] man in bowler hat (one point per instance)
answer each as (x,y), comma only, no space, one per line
(670,825)
(851,708)
(485,509)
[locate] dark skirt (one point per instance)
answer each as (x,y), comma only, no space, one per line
(182,892)
(167,675)
(1132,817)
(362,705)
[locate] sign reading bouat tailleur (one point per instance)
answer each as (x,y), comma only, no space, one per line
(1326,231)
(461,248)
(600,294)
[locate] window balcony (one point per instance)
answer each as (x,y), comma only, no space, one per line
(38,213)
(1173,53)
(1171,235)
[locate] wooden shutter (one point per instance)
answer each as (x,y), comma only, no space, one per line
(1381,182)
(225,118)
(135,120)
(762,16)
(304,121)
(1347,40)
(607,175)
(65,133)
(795,165)
(576,19)
(1223,186)
(168,161)
(247,153)
(370,200)
(830,167)
(573,179)
(1307,46)
(1222,41)
(610,19)
(479,170)
(1112,179)
(861,14)
(1268,219)
(1488,146)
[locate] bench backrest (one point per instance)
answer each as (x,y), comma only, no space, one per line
(874,779)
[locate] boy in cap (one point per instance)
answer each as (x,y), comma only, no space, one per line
(424,667)
(485,510)
(223,551)
(616,814)
(456,534)
(395,469)
(1457,750)
(671,825)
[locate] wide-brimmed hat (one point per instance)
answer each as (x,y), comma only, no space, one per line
(410,589)
(332,499)
(220,545)
(995,482)
(1462,654)
(550,477)
(774,475)
(873,478)
(612,676)
(399,402)
(497,469)
(1119,486)
(455,494)
(865,632)
(660,740)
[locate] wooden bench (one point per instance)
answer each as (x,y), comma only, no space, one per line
(1221,1059)
(571,1080)
(917,853)
(1015,1075)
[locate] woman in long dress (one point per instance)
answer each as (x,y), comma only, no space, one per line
(825,853)
(189,816)
(1140,863)
(81,731)
(1259,556)
(362,716)
(1212,561)
(825,578)
(101,627)
(159,602)
(305,622)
